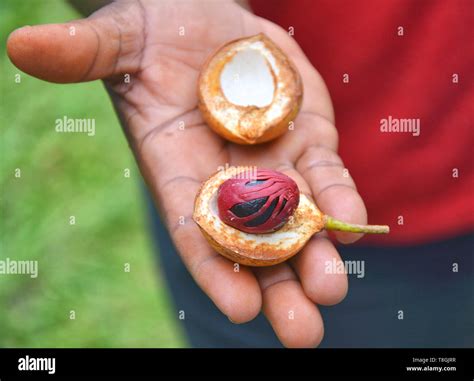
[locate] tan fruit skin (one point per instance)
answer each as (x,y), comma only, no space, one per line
(274,255)
(270,134)
(242,259)
(212,83)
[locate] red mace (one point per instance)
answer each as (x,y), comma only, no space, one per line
(262,204)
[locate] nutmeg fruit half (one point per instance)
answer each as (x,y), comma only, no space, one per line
(279,234)
(249,91)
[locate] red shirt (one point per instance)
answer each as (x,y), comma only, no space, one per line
(403,76)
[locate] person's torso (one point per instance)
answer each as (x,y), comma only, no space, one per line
(400,76)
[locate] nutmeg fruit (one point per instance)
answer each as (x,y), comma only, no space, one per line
(269,241)
(249,91)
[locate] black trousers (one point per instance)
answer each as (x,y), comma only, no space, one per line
(418,296)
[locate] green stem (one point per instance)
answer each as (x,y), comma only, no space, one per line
(331,223)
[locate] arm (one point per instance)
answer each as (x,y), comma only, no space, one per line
(141,39)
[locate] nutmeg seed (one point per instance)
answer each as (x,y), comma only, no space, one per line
(259,205)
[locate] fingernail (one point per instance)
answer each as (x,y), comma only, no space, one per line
(233,322)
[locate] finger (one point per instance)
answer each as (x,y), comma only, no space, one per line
(174,177)
(321,286)
(316,268)
(315,126)
(294,318)
(235,293)
(333,188)
(107,43)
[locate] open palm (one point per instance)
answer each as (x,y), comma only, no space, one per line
(149,54)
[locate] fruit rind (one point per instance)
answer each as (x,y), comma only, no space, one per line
(249,124)
(254,249)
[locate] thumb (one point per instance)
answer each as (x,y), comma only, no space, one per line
(107,43)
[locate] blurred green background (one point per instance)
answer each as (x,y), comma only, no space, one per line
(81,266)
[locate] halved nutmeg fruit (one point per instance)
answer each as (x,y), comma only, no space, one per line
(258,217)
(249,91)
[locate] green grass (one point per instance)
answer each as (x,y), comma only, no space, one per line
(81,266)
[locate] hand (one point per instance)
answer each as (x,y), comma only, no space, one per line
(145,40)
